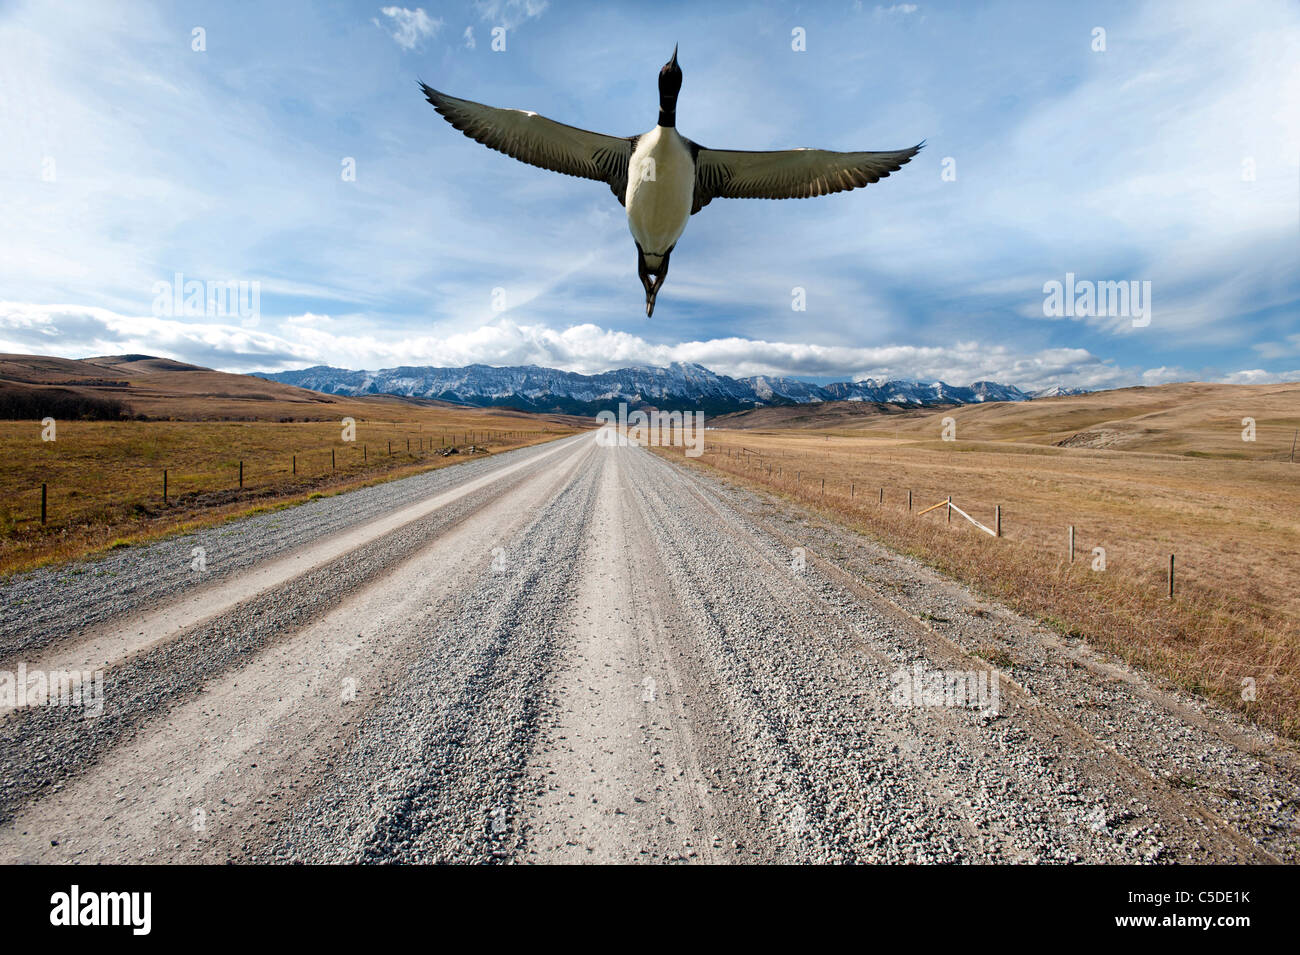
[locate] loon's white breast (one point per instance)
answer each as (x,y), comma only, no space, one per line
(660,190)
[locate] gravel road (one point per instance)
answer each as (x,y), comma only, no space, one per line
(577,653)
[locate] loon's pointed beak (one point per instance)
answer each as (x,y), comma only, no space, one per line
(673,61)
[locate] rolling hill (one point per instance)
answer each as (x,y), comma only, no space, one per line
(144,386)
(1195,419)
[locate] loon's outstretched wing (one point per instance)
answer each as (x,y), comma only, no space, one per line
(788,173)
(539,141)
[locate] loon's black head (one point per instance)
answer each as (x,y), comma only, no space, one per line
(670,84)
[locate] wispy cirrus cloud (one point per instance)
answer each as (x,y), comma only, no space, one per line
(410,27)
(510,13)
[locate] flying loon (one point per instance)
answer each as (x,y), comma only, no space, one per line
(661,177)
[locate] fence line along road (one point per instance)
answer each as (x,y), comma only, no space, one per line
(467,438)
(994,531)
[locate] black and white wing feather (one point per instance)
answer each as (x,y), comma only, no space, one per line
(539,141)
(788,173)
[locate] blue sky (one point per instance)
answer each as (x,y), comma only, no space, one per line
(129,156)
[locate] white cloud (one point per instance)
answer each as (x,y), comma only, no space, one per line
(1170,114)
(72,331)
(470,42)
(410,27)
(310,339)
(1287,348)
(510,13)
(1257,376)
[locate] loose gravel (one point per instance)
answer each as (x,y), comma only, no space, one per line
(740,703)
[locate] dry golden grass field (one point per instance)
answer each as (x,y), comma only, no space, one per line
(1142,473)
(104,479)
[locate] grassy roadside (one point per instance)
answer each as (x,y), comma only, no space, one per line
(1233,619)
(104,479)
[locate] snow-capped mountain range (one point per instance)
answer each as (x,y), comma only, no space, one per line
(682,385)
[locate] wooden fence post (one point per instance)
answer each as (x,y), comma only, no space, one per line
(949,508)
(241,475)
(43,503)
(1072,543)
(295,464)
(882,495)
(997,520)
(909,499)
(332,463)
(1171,576)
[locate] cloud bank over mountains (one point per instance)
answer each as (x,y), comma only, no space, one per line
(310,339)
